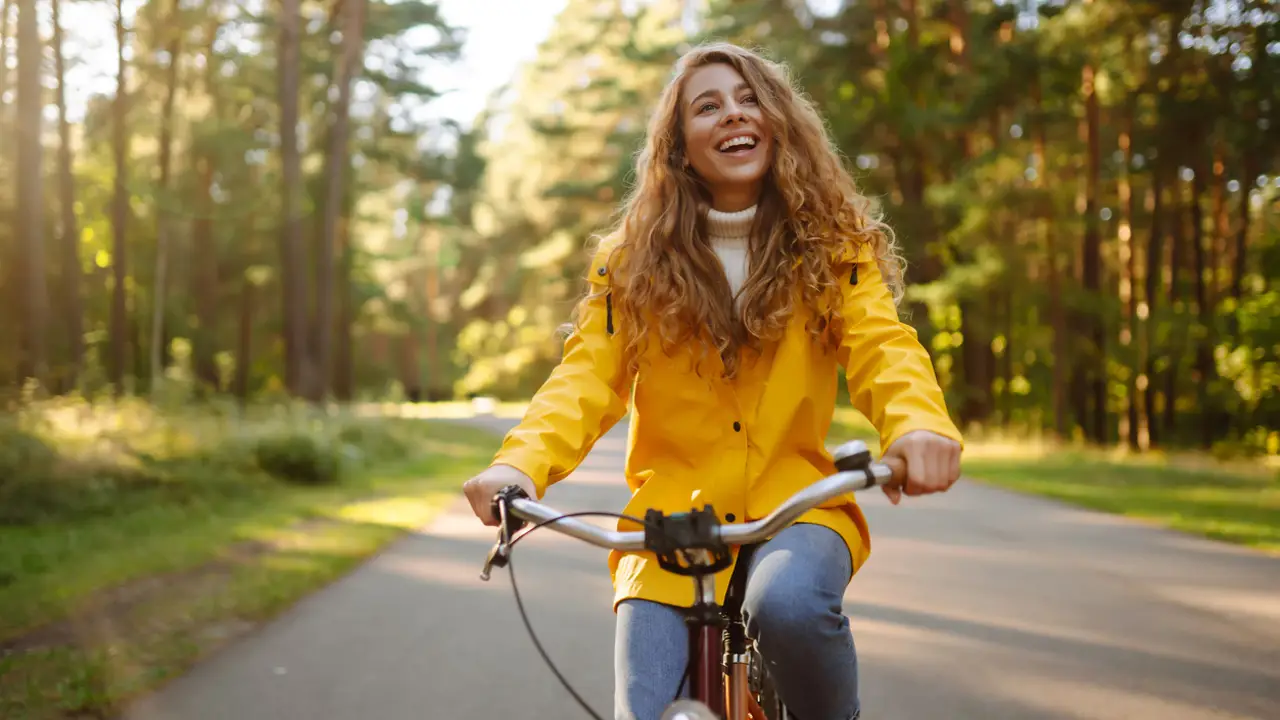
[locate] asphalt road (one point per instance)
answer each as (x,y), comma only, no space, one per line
(978,604)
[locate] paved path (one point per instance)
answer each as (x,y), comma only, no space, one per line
(978,604)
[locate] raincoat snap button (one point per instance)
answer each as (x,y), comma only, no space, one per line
(601,271)
(737,426)
(730,517)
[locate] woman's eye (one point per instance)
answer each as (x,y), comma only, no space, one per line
(750,99)
(707,107)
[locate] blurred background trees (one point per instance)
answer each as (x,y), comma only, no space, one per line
(263,203)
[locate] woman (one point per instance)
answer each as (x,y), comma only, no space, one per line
(744,271)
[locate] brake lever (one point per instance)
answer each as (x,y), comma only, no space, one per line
(507,525)
(497,556)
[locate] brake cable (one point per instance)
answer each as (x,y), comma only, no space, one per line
(524,617)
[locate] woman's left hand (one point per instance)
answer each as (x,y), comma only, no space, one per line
(930,462)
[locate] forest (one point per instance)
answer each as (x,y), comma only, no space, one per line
(264,206)
(251,276)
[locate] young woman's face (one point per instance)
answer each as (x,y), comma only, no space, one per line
(727,138)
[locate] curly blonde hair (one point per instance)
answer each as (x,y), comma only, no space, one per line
(665,274)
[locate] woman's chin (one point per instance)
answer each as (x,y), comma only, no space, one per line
(741,178)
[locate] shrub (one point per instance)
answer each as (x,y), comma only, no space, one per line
(375,441)
(27,467)
(299,459)
(22,453)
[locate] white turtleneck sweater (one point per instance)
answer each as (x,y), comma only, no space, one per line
(728,233)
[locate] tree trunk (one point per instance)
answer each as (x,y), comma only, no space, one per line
(917,224)
(29,199)
(430,293)
(119,215)
(293,274)
(244,342)
(1173,281)
(1218,261)
(410,370)
(344,376)
(1240,254)
(163,221)
(204,272)
(4,47)
(249,255)
(1128,294)
(204,280)
(347,68)
(13,327)
(977,357)
(1093,366)
(1044,213)
(1203,373)
(1151,294)
(1252,166)
(72,310)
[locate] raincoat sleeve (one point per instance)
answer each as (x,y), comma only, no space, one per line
(585,395)
(889,373)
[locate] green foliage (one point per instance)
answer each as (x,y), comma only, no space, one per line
(68,460)
(23,454)
(298,458)
(376,441)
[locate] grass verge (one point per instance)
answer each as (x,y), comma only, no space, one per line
(1236,501)
(1236,504)
(95,610)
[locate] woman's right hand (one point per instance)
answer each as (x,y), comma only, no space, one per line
(481,489)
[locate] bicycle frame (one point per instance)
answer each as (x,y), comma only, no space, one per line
(720,683)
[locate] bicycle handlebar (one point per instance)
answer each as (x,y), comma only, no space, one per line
(855,472)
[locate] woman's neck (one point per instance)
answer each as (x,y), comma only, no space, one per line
(736,199)
(730,226)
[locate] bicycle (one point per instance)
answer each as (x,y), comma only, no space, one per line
(733,685)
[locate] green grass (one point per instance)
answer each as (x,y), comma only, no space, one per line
(94,610)
(1235,504)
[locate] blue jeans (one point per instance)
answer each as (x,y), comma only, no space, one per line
(792,608)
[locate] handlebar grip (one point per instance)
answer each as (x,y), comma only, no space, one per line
(899,469)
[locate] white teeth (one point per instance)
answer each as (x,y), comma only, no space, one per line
(740,140)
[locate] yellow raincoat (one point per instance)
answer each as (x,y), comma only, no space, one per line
(742,446)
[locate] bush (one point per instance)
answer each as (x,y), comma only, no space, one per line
(375,441)
(67,460)
(298,459)
(27,468)
(23,454)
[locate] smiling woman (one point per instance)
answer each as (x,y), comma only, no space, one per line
(744,269)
